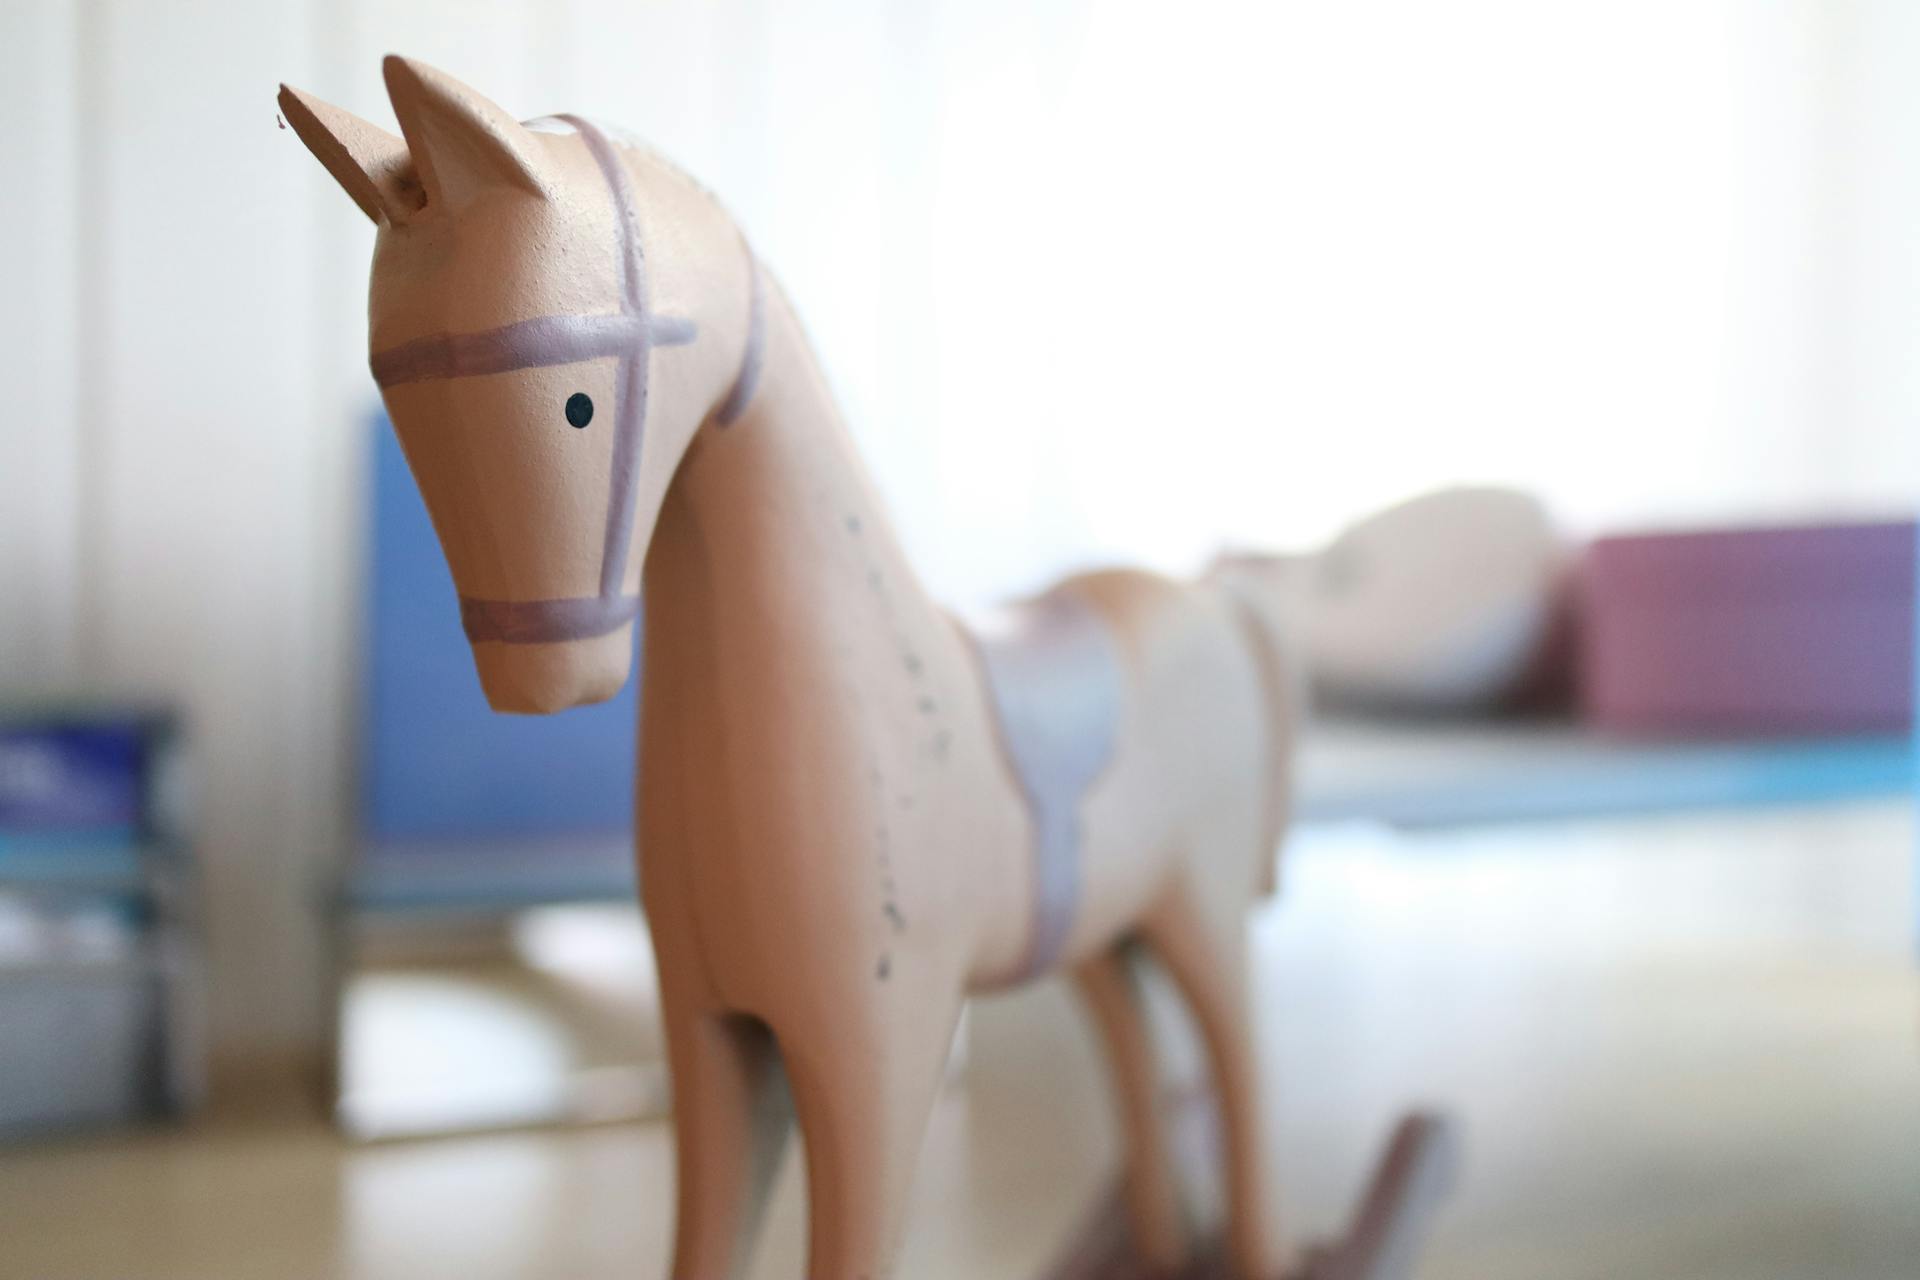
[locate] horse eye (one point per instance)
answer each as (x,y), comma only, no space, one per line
(579,409)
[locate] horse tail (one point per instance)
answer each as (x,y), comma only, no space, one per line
(1269,627)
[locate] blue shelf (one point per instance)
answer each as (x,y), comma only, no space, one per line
(1443,774)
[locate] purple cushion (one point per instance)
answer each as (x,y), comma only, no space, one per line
(1804,629)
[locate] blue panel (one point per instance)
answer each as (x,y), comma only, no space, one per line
(84,777)
(436,762)
(1435,774)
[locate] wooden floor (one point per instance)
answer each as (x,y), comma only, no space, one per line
(1683,1046)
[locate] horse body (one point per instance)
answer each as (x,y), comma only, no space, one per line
(812,718)
(853,811)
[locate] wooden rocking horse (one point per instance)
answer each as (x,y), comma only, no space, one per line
(854,811)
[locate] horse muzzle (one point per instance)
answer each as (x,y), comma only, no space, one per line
(539,657)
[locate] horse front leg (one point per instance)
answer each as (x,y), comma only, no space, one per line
(731,1116)
(866,1067)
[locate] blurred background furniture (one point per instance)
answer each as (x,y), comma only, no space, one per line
(1781,628)
(100,995)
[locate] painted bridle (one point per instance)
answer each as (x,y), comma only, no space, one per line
(630,335)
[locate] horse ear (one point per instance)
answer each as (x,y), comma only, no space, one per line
(461,143)
(369,162)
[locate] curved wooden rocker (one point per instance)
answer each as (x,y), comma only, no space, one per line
(855,811)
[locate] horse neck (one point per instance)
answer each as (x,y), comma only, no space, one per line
(772,523)
(786,632)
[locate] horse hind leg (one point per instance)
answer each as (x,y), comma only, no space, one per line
(1205,953)
(1109,986)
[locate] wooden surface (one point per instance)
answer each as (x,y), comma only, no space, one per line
(1677,1046)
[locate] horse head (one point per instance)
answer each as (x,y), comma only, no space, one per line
(554,314)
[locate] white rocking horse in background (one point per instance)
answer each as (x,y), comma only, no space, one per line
(853,811)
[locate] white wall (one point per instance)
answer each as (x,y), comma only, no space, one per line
(1093,279)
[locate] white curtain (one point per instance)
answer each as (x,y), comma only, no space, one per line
(1237,272)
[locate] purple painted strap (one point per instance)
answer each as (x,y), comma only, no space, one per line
(530,344)
(671,331)
(545,621)
(740,394)
(632,406)
(1055,681)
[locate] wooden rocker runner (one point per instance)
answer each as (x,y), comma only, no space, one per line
(854,811)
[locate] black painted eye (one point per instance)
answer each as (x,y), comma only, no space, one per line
(579,409)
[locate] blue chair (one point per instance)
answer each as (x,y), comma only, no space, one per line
(462,808)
